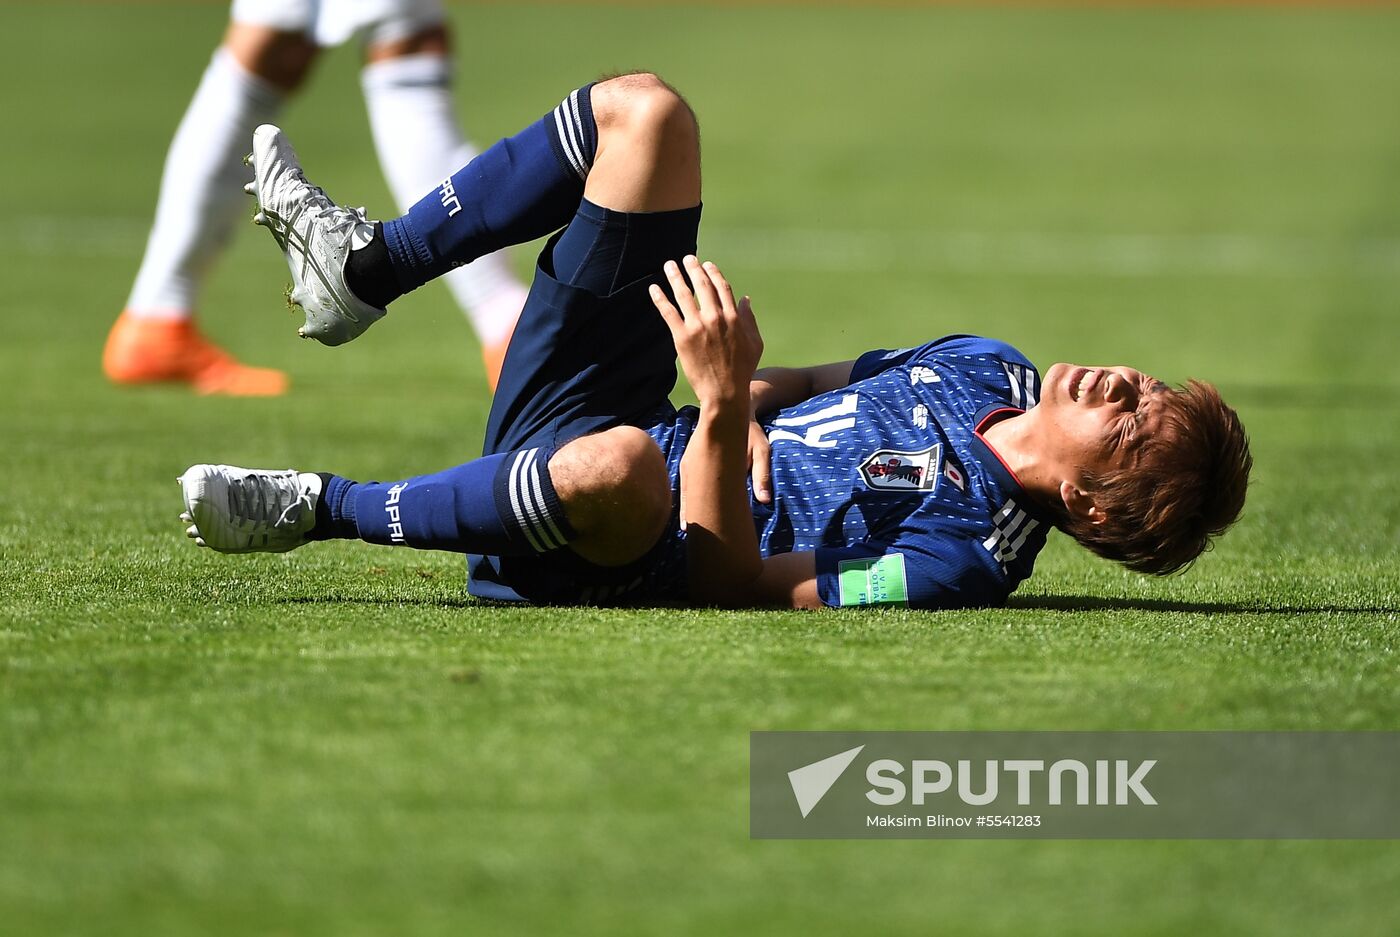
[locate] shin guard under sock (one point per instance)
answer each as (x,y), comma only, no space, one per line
(502,505)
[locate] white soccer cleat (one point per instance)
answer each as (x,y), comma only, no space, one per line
(315,235)
(237,510)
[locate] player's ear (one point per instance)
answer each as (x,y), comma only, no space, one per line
(1080,503)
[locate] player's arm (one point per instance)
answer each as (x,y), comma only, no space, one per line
(774,388)
(718,345)
(788,580)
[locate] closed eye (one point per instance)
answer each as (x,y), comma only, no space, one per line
(1152,390)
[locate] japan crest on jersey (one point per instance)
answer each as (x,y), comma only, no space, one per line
(892,470)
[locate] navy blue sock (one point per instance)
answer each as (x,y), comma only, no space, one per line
(500,505)
(335,513)
(523,187)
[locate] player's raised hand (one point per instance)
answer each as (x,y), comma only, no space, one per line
(717,339)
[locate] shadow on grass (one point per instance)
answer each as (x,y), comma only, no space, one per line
(339,598)
(1093,603)
(1051,603)
(333,598)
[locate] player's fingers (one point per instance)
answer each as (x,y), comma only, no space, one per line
(685,299)
(669,314)
(749,322)
(762,469)
(722,287)
(705,294)
(745,311)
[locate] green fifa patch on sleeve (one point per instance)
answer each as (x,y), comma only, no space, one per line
(878,580)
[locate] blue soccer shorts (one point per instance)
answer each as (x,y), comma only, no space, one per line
(590,352)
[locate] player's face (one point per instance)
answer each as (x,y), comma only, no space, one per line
(1100,417)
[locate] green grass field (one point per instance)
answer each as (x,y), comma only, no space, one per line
(338,742)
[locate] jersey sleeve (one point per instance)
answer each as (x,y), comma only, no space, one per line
(882,359)
(909,575)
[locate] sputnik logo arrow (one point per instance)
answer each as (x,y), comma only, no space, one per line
(811,782)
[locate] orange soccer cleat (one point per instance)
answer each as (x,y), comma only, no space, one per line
(493,356)
(144,351)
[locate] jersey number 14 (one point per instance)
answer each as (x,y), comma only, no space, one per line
(820,425)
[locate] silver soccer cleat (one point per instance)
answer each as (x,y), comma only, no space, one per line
(315,235)
(237,510)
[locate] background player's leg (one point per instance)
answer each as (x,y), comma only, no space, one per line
(408,94)
(200,198)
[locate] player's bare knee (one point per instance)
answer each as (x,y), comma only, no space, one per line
(660,113)
(616,493)
(281,58)
(643,106)
(431,40)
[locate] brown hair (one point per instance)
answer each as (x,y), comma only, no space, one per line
(1187,488)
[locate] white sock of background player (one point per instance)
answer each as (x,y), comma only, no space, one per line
(420,143)
(201,189)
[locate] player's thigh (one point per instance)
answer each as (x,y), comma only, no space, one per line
(590,351)
(377,22)
(289,16)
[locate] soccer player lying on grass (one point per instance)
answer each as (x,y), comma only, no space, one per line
(926,476)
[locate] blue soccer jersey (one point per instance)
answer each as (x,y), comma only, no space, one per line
(886,479)
(890,483)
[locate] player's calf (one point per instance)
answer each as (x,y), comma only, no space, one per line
(522,188)
(504,504)
(628,144)
(611,503)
